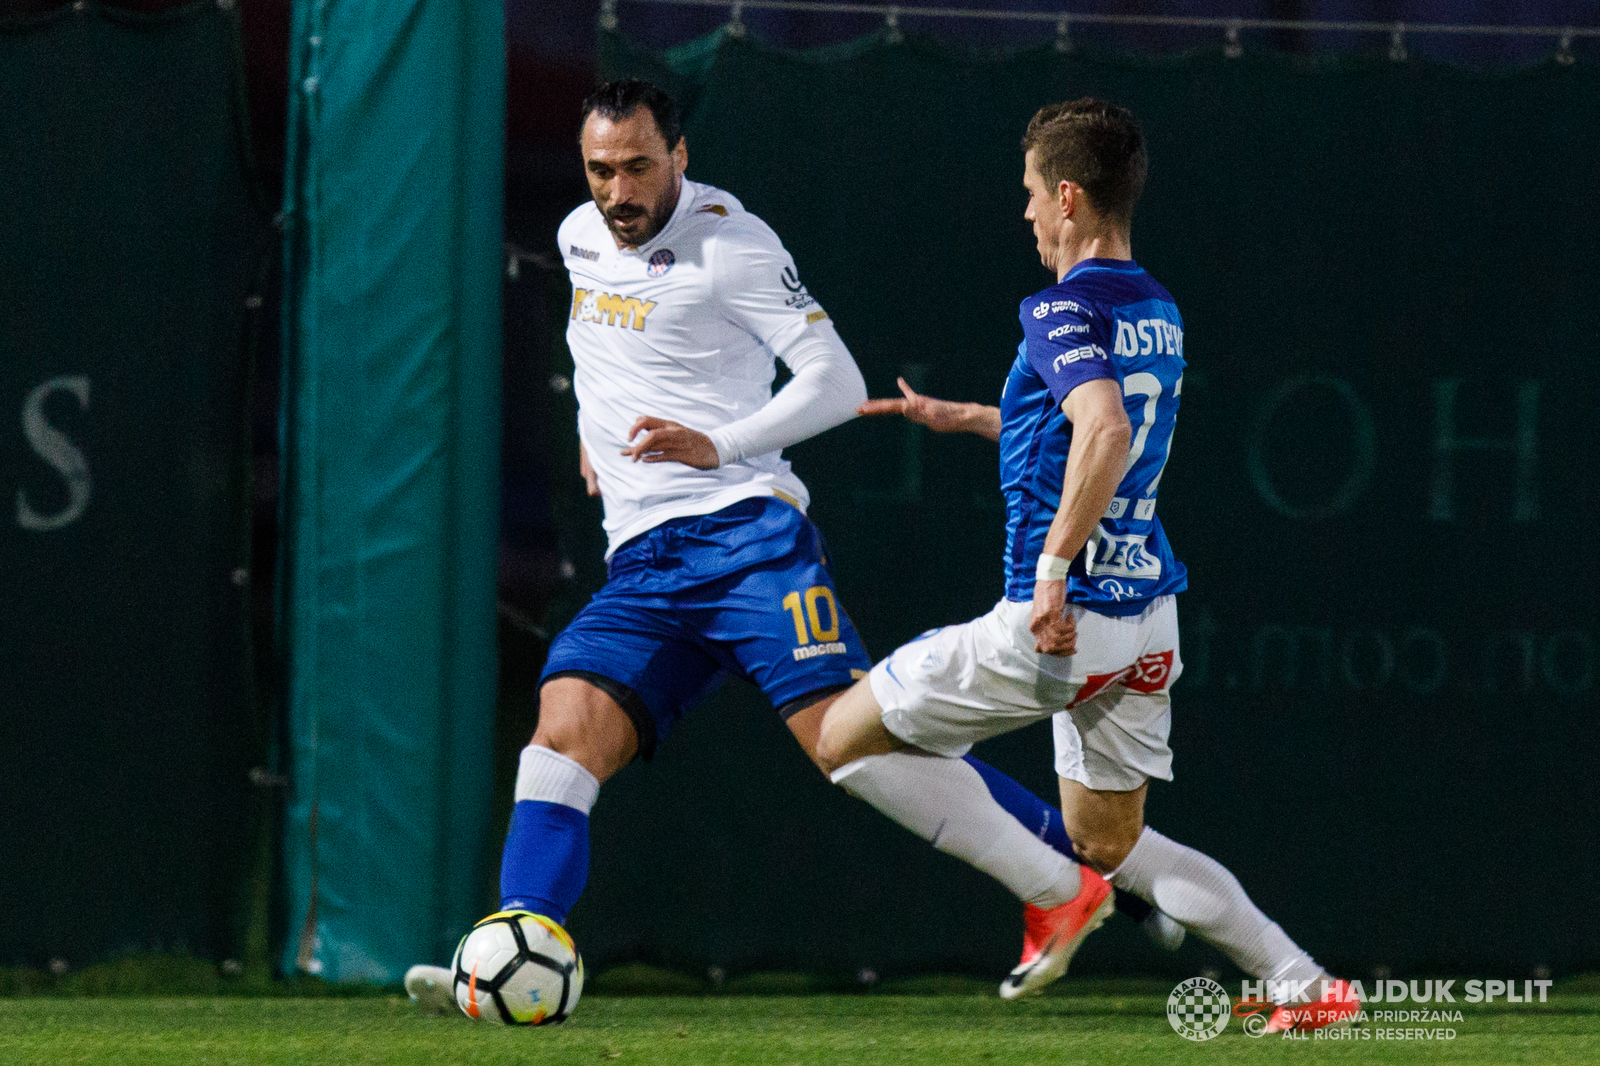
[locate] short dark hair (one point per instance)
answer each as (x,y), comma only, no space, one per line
(1096,144)
(616,100)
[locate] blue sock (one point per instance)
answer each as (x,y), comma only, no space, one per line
(546,860)
(1045,822)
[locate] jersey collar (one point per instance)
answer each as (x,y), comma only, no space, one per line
(1115,266)
(687,193)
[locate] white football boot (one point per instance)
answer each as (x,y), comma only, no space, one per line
(432,989)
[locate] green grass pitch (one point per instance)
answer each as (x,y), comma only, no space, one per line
(941,1030)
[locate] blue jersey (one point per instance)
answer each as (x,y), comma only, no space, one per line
(1106,319)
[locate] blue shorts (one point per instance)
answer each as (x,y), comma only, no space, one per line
(744,591)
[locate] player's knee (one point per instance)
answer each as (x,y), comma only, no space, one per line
(835,743)
(1104,848)
(853,729)
(585,725)
(830,752)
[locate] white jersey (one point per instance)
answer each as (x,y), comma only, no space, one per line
(683,328)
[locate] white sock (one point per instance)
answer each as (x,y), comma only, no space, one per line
(551,777)
(1204,897)
(945,802)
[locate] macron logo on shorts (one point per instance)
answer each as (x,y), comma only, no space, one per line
(811,651)
(1149,674)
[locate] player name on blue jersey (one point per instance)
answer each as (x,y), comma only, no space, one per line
(1106,319)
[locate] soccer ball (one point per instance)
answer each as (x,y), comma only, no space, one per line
(519,968)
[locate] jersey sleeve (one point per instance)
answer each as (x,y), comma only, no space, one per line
(757,283)
(1066,343)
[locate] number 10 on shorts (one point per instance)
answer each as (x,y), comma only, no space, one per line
(813,596)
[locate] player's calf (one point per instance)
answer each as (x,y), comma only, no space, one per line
(583,737)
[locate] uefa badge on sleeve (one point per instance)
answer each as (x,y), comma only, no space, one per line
(660,263)
(1199,1009)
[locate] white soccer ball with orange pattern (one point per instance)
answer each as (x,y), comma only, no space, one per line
(518,968)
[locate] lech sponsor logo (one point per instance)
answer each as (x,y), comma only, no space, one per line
(660,263)
(1199,1009)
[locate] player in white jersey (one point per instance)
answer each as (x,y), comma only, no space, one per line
(1088,633)
(681,302)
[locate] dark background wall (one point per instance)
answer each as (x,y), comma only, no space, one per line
(1391,656)
(132,244)
(1382,483)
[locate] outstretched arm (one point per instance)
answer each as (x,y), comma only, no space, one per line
(825,390)
(941,416)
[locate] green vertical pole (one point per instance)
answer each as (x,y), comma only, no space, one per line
(391,444)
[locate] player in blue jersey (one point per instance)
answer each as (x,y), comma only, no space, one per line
(1087,633)
(682,300)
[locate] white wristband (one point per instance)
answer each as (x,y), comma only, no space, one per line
(1052,568)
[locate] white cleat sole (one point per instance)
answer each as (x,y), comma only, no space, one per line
(1031,979)
(431,989)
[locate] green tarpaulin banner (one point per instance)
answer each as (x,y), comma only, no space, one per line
(392,370)
(1383,483)
(131,242)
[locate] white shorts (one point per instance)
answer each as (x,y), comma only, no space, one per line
(953,687)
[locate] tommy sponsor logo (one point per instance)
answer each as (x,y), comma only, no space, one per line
(1149,674)
(584,253)
(1088,351)
(610,309)
(1147,336)
(1070,327)
(811,651)
(1120,556)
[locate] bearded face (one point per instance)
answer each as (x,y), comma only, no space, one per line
(634,176)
